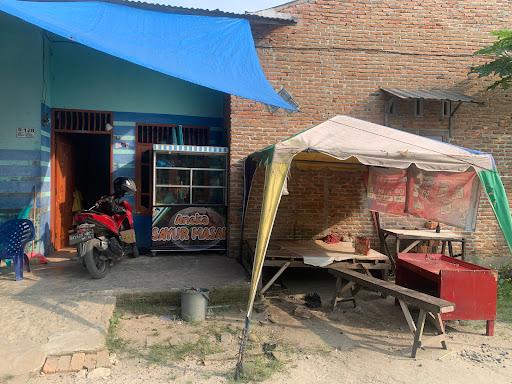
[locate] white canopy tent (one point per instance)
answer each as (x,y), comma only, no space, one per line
(343,139)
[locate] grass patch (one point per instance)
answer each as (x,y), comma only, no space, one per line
(217,330)
(259,368)
(165,352)
(160,303)
(114,343)
(505,293)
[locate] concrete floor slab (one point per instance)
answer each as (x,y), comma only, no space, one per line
(20,357)
(59,309)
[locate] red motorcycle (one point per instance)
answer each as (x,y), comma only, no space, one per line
(104,233)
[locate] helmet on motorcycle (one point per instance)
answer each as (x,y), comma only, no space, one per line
(124,185)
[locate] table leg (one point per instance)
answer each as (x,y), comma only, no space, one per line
(420,325)
(408,317)
(443,247)
(440,328)
(463,249)
(386,247)
(450,249)
(274,278)
(341,290)
(489,331)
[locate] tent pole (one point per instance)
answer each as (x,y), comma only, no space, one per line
(275,176)
(240,359)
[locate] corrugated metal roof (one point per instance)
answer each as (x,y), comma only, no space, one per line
(263,18)
(430,94)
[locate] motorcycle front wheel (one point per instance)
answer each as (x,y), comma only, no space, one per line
(97,266)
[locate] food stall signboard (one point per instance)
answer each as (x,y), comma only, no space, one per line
(188,229)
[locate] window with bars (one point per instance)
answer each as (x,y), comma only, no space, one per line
(149,134)
(79,121)
(172,134)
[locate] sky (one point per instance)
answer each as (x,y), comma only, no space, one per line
(239,6)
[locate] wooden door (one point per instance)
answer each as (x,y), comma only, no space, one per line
(64,186)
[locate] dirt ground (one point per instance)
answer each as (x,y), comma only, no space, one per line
(367,344)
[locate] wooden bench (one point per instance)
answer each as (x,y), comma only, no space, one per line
(430,307)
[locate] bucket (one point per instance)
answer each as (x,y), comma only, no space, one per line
(194,304)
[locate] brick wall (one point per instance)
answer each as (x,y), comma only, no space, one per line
(318,200)
(335,59)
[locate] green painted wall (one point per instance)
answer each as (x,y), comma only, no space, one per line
(20,82)
(83,78)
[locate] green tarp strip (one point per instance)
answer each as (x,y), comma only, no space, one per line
(497,196)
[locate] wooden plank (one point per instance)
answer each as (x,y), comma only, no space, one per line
(421,300)
(423,234)
(440,326)
(293,264)
(411,246)
(420,325)
(274,278)
(316,248)
(407,315)
(441,338)
(341,290)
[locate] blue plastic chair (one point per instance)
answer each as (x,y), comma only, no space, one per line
(14,236)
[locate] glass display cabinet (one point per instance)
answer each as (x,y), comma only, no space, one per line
(189,198)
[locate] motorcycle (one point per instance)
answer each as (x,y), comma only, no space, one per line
(104,233)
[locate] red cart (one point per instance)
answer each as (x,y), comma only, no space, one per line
(471,287)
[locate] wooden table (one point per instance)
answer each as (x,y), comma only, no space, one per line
(314,254)
(418,235)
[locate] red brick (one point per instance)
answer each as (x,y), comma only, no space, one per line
(77,362)
(103,360)
(64,363)
(334,61)
(90,361)
(50,365)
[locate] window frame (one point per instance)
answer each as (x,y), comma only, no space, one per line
(392,107)
(191,186)
(151,133)
(446,108)
(419,107)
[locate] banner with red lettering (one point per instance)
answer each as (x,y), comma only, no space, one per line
(189,228)
(449,197)
(387,190)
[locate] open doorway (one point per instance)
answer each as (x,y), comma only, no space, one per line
(81,173)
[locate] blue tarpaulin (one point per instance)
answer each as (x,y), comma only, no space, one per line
(215,52)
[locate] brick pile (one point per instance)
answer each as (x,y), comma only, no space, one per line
(334,60)
(76,362)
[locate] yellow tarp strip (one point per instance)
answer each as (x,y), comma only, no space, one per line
(275,177)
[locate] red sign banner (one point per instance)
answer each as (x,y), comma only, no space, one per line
(448,197)
(387,190)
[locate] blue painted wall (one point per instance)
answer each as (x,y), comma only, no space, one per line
(24,162)
(39,71)
(87,79)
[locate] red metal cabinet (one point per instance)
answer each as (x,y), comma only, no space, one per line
(471,287)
